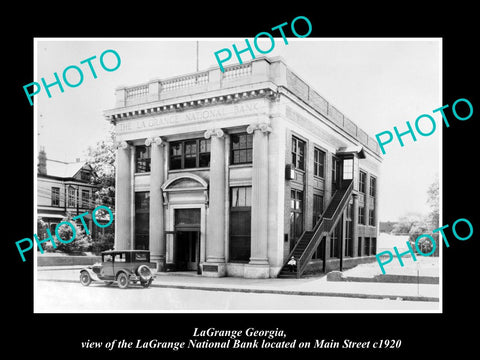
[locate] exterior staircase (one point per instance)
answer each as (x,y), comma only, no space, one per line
(310,240)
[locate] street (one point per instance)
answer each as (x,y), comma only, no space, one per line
(56,296)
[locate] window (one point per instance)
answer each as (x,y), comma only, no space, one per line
(204,153)
(366,250)
(298,153)
(71,197)
(85,199)
(348,239)
(240,223)
(55,196)
(317,207)
(241,148)
(371,217)
(361,215)
(318,163)
(373,186)
(142,159)
(142,220)
(349,231)
(189,154)
(348,169)
(241,197)
(374,247)
(359,248)
(296,216)
(363,180)
(85,175)
(335,238)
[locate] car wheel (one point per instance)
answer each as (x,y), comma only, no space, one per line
(144,272)
(122,279)
(85,278)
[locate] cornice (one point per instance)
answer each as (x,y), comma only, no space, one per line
(148,109)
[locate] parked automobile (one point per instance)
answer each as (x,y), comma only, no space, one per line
(121,266)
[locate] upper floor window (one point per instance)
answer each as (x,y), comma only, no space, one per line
(85,175)
(241,148)
(85,198)
(361,215)
(371,217)
(373,186)
(363,181)
(347,169)
(189,154)
(71,197)
(318,163)
(142,159)
(55,196)
(298,153)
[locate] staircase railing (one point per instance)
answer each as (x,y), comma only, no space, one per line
(325,225)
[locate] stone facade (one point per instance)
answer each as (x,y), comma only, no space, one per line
(261,102)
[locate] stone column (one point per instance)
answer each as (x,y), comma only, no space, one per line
(215,241)
(355,223)
(157,242)
(123,197)
(258,267)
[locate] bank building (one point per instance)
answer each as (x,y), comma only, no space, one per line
(234,173)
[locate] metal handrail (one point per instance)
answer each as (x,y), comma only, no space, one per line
(317,236)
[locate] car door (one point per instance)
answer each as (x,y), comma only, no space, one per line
(107,267)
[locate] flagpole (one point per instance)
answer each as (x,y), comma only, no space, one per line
(197,55)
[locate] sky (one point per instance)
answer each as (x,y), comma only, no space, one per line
(377,83)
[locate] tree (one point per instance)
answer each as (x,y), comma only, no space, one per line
(433,218)
(433,201)
(80,243)
(415,224)
(406,223)
(102,159)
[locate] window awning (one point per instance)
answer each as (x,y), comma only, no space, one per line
(352,150)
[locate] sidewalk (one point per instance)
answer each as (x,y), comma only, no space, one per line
(311,286)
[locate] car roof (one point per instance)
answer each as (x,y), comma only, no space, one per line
(110,252)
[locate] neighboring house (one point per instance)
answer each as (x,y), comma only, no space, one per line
(63,188)
(230,174)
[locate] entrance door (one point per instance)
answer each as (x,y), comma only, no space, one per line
(187,240)
(187,250)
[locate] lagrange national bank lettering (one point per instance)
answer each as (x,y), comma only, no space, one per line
(235,173)
(186,118)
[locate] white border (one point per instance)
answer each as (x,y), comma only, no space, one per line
(35,154)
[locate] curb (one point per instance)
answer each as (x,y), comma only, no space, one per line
(283,292)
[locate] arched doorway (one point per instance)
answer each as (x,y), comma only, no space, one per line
(186,198)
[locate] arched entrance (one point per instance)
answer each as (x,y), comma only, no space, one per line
(186,198)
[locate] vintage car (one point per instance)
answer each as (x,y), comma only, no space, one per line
(121,266)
